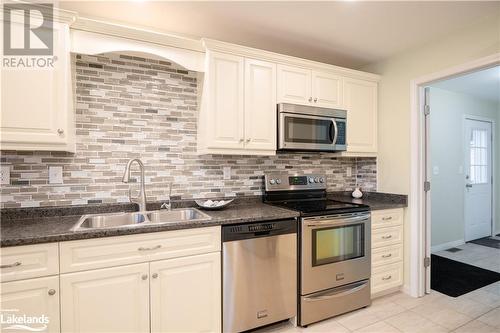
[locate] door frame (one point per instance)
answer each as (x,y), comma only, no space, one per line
(420,219)
(493,164)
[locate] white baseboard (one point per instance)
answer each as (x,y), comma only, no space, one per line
(444,246)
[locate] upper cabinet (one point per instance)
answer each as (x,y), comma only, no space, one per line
(360,99)
(37,110)
(238,108)
(309,87)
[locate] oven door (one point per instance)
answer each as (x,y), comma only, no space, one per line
(335,250)
(305,132)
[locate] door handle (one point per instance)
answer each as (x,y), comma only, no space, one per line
(468,185)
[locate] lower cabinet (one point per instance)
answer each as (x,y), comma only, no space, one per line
(185,294)
(106,300)
(33,298)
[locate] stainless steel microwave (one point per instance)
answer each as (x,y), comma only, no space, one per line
(311,128)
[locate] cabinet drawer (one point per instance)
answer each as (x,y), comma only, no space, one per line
(123,250)
(386,277)
(387,236)
(24,262)
(387,218)
(387,255)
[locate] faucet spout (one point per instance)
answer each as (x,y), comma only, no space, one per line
(141,199)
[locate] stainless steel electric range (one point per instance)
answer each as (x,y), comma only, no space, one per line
(334,246)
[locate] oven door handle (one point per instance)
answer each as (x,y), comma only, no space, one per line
(337,293)
(337,221)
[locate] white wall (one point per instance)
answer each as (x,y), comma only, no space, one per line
(448,110)
(473,42)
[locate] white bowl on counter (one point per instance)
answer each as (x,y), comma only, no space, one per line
(213,204)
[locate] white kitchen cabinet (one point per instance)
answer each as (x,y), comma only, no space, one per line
(106,300)
(294,85)
(29,261)
(225,127)
(360,100)
(260,105)
(238,109)
(186,294)
(37,105)
(309,87)
(33,298)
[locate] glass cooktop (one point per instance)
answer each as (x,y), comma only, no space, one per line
(321,206)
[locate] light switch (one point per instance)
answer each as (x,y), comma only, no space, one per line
(55,174)
(5,175)
(227,173)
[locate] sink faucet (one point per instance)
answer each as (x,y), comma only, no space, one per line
(168,203)
(141,199)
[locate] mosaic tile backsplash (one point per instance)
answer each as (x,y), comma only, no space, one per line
(131,107)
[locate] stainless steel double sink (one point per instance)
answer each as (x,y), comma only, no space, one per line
(135,219)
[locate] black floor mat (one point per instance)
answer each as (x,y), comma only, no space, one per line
(454,278)
(487,241)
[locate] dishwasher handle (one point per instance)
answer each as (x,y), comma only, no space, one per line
(258,229)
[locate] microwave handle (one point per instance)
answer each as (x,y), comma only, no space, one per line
(335,128)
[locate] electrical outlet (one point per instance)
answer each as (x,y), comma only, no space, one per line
(55,174)
(227,173)
(5,175)
(349,171)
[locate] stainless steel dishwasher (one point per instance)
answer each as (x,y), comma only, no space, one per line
(259,274)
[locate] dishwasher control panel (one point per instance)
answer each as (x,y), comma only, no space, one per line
(258,229)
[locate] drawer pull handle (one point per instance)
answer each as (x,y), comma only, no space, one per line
(17,263)
(387,255)
(387,218)
(387,237)
(388,277)
(52,292)
(149,248)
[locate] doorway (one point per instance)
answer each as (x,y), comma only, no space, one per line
(461,117)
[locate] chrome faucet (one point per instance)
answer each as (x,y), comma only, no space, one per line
(141,199)
(168,203)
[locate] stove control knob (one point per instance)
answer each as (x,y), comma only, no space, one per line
(311,180)
(322,180)
(316,180)
(278,181)
(272,182)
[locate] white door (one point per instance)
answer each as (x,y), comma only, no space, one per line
(360,100)
(225,124)
(106,300)
(186,294)
(36,104)
(326,90)
(478,183)
(294,85)
(33,298)
(260,105)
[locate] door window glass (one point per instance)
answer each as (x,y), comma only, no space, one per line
(479,156)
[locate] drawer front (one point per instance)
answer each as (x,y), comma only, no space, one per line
(387,218)
(387,236)
(387,277)
(123,250)
(30,261)
(387,255)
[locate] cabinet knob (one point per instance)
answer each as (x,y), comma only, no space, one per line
(60,131)
(155,275)
(310,99)
(52,292)
(248,140)
(144,277)
(315,100)
(241,140)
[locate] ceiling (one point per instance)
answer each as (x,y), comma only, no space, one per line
(483,84)
(344,33)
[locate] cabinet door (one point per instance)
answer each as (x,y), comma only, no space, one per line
(326,90)
(226,119)
(33,298)
(360,99)
(260,105)
(186,294)
(37,108)
(106,300)
(294,85)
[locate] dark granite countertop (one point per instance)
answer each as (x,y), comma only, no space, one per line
(44,225)
(376,200)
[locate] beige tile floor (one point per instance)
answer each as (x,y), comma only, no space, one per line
(475,312)
(476,255)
